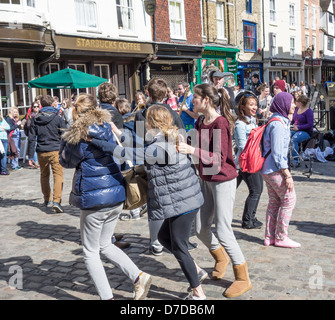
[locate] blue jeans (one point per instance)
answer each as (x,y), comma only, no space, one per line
(3,157)
(17,141)
(296,138)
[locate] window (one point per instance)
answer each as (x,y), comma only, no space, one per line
(125,15)
(86,14)
(31,3)
(5,87)
(248,6)
(23,74)
(272,10)
(306,15)
(330,18)
(314,46)
(80,67)
(177,19)
(273,44)
(249,35)
(220,20)
(330,44)
(53,67)
(292,46)
(102,71)
(313,18)
(292,15)
(306,41)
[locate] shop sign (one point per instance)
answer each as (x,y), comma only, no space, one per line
(150,7)
(210,53)
(165,67)
(74,43)
(232,67)
(285,64)
(316,62)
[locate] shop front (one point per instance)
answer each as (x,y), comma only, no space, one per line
(328,71)
(173,63)
(216,57)
(245,71)
(115,60)
(21,49)
(289,70)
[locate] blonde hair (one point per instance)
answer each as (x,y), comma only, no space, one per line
(84,103)
(160,118)
(11,111)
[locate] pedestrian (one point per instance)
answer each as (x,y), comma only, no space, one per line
(172,100)
(108,94)
(255,83)
(156,89)
(14,137)
(35,108)
(46,128)
(303,124)
(264,101)
(174,193)
(67,111)
(218,174)
(187,115)
(276,174)
(98,190)
(4,127)
(246,121)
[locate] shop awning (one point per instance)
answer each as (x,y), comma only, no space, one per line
(67,79)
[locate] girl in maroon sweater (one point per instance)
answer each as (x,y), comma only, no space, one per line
(218,183)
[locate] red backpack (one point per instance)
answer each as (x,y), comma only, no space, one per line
(251,159)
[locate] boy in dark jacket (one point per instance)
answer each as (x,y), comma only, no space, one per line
(48,127)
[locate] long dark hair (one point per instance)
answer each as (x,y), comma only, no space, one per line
(219,98)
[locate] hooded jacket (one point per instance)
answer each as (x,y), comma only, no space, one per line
(48,127)
(97,181)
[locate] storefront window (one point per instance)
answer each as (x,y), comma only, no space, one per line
(102,70)
(53,67)
(22,74)
(82,68)
(4,88)
(123,86)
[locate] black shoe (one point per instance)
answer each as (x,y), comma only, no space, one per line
(257,223)
(57,207)
(192,246)
(250,226)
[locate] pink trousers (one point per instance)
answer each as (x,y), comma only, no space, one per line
(280,207)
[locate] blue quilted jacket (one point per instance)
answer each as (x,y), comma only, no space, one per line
(97,181)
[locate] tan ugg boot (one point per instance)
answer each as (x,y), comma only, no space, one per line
(221,262)
(242,282)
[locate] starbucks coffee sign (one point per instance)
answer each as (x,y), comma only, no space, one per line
(150,7)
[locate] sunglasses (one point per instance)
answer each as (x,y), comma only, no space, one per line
(36,106)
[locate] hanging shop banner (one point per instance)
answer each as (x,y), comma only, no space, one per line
(150,7)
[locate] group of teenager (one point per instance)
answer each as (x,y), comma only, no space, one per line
(191,182)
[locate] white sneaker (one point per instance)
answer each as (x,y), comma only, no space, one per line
(202,275)
(193,297)
(142,286)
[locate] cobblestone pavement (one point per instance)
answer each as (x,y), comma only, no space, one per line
(44,251)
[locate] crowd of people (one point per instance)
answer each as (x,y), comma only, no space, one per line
(192,182)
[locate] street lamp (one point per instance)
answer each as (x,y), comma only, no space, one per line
(310,52)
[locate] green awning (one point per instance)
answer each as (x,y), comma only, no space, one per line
(67,79)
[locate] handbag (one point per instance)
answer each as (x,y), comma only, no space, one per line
(136,184)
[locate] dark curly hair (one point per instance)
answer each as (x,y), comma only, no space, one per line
(107,93)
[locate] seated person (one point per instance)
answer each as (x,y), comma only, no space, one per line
(303,120)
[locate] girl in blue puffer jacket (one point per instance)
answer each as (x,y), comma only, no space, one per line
(98,190)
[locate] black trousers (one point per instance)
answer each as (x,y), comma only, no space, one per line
(254,183)
(174,236)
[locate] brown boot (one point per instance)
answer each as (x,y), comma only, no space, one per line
(242,282)
(221,262)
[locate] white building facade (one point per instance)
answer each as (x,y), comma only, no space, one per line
(282,41)
(107,38)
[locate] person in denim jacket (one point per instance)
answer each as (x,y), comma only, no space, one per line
(246,121)
(4,126)
(276,174)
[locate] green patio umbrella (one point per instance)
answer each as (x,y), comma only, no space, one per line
(67,79)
